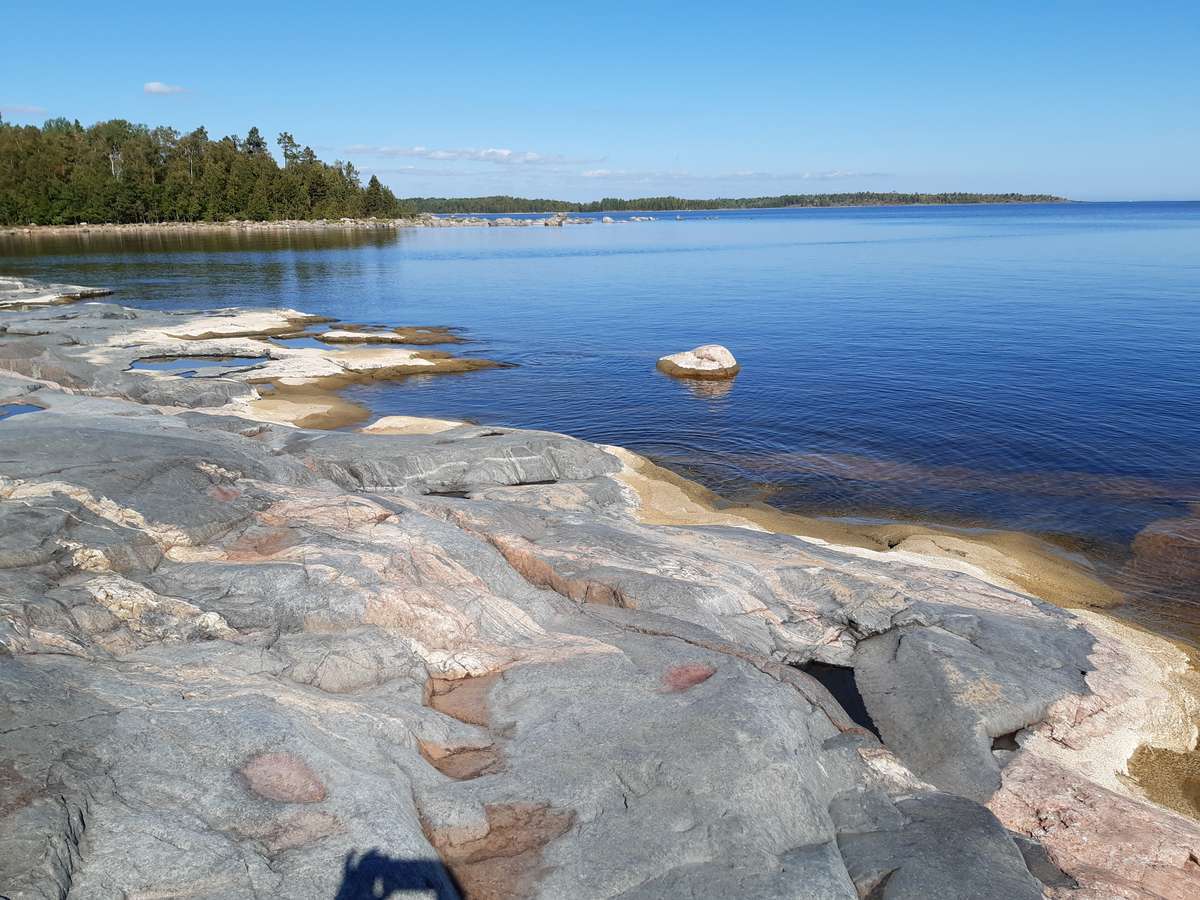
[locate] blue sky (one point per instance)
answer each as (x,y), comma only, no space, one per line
(1090,100)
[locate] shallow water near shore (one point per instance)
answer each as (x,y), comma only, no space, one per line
(1022,367)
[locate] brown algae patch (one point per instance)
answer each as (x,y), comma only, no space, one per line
(669,368)
(1169,778)
(1013,558)
(1167,775)
(428,334)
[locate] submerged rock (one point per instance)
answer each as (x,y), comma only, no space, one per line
(707,361)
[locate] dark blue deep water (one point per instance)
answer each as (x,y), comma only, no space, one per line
(1028,367)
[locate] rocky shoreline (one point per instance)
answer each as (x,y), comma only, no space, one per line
(242,658)
(424,220)
(24,293)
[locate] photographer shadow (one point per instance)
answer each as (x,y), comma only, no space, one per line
(375,876)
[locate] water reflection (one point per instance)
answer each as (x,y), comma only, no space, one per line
(8,410)
(709,389)
(189,366)
(184,240)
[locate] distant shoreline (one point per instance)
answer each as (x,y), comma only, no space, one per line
(438,220)
(424,220)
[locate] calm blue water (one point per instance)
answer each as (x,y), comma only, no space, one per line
(1030,367)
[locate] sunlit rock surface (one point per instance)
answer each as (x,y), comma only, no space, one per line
(243,659)
(25,293)
(229,357)
(709,361)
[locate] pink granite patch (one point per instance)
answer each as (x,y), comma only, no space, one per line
(680,678)
(283,777)
(224,493)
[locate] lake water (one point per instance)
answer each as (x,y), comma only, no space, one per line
(1026,367)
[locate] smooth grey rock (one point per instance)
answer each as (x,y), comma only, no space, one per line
(1040,865)
(940,695)
(936,845)
(457,460)
(344,662)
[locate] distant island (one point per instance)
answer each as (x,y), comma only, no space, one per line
(661,204)
(64,173)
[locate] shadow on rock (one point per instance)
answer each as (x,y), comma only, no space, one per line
(376,875)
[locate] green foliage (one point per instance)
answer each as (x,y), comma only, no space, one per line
(116,171)
(378,200)
(472,205)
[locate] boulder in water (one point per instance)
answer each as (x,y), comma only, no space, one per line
(708,361)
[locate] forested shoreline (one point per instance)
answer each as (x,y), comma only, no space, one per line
(64,173)
(667,204)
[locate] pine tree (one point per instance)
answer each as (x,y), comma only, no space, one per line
(374,202)
(254,145)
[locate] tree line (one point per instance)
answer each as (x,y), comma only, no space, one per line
(116,171)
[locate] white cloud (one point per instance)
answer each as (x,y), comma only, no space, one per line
(421,170)
(159,87)
(628,175)
(498,155)
(18,109)
(840,173)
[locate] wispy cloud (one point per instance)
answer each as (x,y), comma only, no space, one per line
(841,173)
(634,175)
(498,155)
(159,87)
(421,170)
(626,173)
(19,109)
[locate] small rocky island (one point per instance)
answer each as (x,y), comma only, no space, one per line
(241,658)
(711,361)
